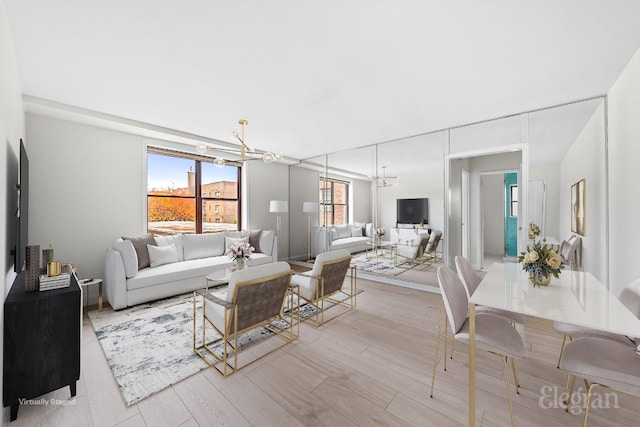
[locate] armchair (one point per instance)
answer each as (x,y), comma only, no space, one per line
(325,281)
(255,297)
(414,252)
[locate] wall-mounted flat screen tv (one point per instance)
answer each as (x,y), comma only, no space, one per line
(412,211)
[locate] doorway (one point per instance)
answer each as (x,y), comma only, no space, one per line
(511,215)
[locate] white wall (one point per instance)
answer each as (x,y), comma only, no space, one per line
(88,188)
(584,159)
(624,174)
(11,130)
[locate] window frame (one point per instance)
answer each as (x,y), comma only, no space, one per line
(328,210)
(198,198)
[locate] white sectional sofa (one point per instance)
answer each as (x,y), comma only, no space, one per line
(352,237)
(177,264)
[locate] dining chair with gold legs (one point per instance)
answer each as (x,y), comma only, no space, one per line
(604,363)
(630,297)
(492,333)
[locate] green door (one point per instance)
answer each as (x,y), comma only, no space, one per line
(511,214)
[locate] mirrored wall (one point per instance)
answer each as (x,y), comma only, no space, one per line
(547,149)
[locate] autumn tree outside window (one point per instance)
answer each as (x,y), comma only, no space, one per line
(188,194)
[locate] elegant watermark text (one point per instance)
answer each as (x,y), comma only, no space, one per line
(554,397)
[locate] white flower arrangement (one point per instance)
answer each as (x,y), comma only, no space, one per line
(240,250)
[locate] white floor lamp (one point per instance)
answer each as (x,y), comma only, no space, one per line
(309,208)
(278,206)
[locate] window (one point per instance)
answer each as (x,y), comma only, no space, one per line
(513,191)
(179,189)
(334,201)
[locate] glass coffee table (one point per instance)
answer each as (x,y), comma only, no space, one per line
(377,249)
(219,278)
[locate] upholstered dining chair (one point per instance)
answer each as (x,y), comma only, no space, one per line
(604,363)
(471,281)
(256,297)
(325,281)
(569,251)
(493,334)
(630,297)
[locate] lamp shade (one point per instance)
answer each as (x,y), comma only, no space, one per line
(310,207)
(278,206)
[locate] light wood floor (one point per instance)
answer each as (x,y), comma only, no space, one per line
(369,367)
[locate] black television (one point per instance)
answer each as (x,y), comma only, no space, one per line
(22,214)
(412,211)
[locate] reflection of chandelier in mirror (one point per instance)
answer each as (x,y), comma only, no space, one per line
(383,180)
(245,152)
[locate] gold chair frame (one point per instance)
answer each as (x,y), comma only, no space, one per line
(330,283)
(442,333)
(231,321)
(571,380)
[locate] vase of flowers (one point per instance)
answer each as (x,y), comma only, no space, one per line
(379,234)
(240,252)
(534,231)
(541,262)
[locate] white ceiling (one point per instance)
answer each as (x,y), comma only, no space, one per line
(319,76)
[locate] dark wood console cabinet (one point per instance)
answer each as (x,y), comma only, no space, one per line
(41,342)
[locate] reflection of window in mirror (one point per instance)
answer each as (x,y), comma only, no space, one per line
(513,189)
(334,201)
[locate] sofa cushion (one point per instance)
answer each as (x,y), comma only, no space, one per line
(198,246)
(229,242)
(140,244)
(129,257)
(266,242)
(160,255)
(254,238)
(350,242)
(368,229)
(356,231)
(333,233)
(176,240)
(178,271)
(342,230)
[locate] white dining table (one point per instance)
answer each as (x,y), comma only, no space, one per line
(549,240)
(575,297)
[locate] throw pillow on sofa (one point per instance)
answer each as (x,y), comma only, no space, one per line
(140,244)
(168,240)
(229,242)
(343,231)
(356,231)
(254,238)
(160,255)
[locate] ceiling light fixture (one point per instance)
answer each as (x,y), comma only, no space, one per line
(384,178)
(244,152)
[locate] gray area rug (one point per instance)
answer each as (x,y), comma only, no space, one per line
(149,347)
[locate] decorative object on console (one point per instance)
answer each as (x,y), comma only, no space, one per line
(278,207)
(244,152)
(32,268)
(47,256)
(541,262)
(310,208)
(534,231)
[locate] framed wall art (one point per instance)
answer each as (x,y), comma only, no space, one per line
(578,207)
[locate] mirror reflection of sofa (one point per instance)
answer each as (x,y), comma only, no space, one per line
(351,237)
